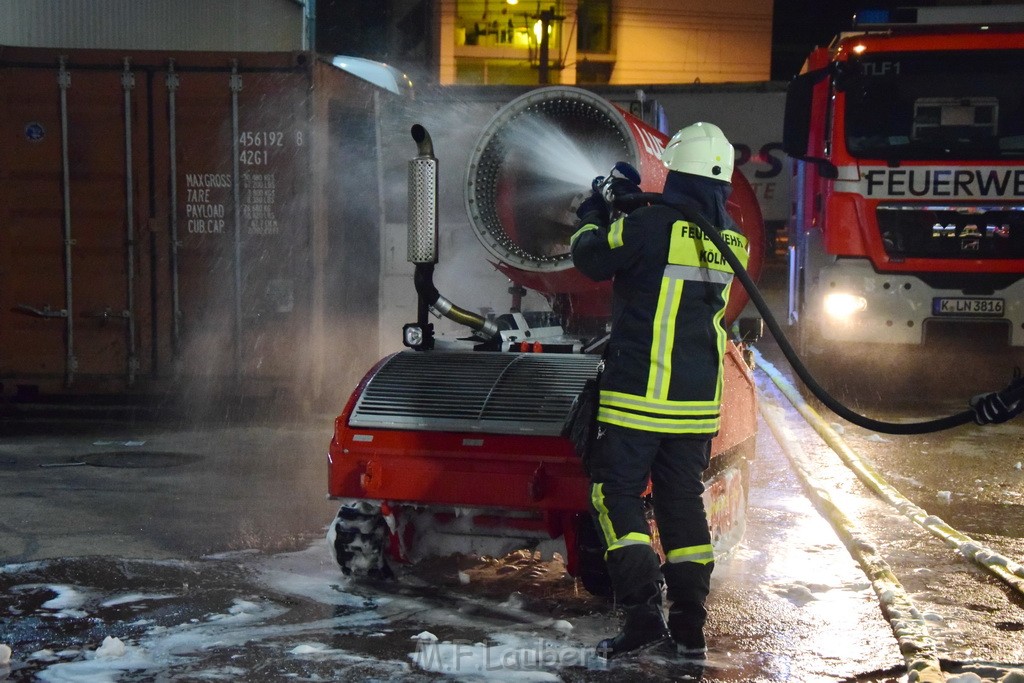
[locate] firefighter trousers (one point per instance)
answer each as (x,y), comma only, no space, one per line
(622,461)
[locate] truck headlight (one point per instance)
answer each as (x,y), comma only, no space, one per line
(842,306)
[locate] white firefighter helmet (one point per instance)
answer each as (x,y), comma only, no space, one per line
(700,149)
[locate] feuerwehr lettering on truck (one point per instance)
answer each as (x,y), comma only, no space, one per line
(933,182)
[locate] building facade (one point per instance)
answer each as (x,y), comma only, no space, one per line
(613,42)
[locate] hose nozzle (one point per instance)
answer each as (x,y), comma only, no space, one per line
(622,170)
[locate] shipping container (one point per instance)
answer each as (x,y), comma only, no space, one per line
(186,222)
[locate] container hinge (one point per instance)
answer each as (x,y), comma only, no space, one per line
(106,314)
(63,76)
(127,77)
(235,82)
(172,79)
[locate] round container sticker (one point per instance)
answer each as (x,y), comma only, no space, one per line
(34,132)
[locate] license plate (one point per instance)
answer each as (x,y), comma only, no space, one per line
(967,306)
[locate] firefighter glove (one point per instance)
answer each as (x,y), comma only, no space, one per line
(595,203)
(621,188)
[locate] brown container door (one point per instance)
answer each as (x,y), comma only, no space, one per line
(243,261)
(70,308)
(32,295)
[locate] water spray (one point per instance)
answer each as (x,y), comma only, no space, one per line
(524,181)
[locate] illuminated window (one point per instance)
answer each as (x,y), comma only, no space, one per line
(495,23)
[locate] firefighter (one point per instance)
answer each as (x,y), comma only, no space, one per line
(661,387)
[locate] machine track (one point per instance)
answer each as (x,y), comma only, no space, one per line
(358,538)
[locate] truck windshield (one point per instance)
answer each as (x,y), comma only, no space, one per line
(935,105)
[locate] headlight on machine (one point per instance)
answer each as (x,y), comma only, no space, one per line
(841,306)
(412,336)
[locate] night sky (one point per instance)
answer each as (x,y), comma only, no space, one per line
(800,25)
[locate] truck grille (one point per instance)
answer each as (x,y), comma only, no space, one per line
(952,232)
(498,393)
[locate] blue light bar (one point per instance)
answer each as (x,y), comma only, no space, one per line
(871,16)
(973,15)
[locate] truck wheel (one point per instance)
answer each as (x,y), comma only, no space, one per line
(593,572)
(358,538)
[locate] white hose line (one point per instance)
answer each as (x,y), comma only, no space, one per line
(919,650)
(1007,569)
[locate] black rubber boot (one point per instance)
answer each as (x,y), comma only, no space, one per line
(644,625)
(688,587)
(688,636)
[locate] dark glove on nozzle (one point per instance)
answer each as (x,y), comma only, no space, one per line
(595,203)
(997,407)
(620,187)
(622,182)
(626,171)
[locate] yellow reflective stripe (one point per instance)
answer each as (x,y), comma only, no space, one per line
(615,234)
(682,246)
(612,542)
(698,274)
(722,339)
(689,246)
(739,245)
(667,425)
(631,538)
(701,554)
(618,399)
(663,338)
(603,520)
(586,228)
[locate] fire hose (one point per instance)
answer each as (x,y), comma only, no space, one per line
(988,408)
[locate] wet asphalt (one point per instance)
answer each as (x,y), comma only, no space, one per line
(198,544)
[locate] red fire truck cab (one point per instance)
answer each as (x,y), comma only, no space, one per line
(908,211)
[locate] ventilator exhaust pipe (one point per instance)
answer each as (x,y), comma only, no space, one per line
(536,157)
(422,224)
(422,245)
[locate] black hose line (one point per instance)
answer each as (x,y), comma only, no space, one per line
(430,297)
(805,376)
(986,408)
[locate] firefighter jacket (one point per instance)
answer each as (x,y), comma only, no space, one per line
(663,365)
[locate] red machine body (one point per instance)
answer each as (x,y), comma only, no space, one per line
(515,482)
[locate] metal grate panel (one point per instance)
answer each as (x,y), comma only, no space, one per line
(497,393)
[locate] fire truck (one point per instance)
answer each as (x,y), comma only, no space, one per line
(454,445)
(908,201)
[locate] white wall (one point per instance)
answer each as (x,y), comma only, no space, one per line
(751,115)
